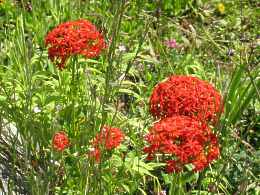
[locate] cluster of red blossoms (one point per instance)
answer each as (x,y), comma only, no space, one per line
(185,95)
(73,38)
(109,138)
(185,105)
(60,141)
(182,140)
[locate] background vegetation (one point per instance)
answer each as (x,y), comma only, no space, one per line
(216,41)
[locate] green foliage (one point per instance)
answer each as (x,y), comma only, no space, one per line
(37,99)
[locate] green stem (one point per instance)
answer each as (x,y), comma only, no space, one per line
(177,187)
(73,95)
(110,56)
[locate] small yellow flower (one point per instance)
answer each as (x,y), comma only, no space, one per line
(221,8)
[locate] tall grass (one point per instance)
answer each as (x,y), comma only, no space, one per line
(37,99)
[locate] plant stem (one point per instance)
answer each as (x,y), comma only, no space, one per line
(176,187)
(74,94)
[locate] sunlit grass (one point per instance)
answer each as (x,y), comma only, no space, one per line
(146,42)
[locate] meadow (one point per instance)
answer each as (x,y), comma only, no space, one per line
(148,97)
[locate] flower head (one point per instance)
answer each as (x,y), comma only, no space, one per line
(171,43)
(185,95)
(182,140)
(221,8)
(108,139)
(73,38)
(60,141)
(36,109)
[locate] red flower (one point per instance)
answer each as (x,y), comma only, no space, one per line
(73,38)
(108,139)
(60,141)
(185,95)
(182,140)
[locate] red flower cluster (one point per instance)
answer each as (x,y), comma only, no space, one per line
(185,95)
(182,140)
(60,141)
(73,38)
(108,139)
